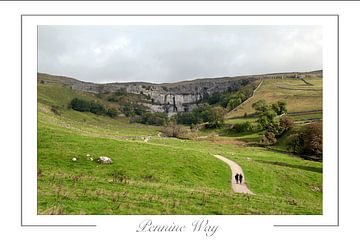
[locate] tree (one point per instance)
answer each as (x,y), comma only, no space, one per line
(157,118)
(216,117)
(80,105)
(286,123)
(266,118)
(233,103)
(242,127)
(279,107)
(97,108)
(260,106)
(187,118)
(312,138)
(128,110)
(295,143)
(269,138)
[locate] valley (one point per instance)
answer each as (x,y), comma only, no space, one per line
(157,172)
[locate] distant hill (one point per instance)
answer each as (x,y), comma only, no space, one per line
(185,95)
(302,94)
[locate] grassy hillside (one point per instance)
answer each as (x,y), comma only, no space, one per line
(161,176)
(299,94)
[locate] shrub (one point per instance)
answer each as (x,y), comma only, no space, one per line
(242,127)
(308,140)
(295,143)
(286,123)
(279,107)
(266,118)
(97,108)
(312,139)
(216,117)
(80,105)
(260,106)
(269,138)
(157,118)
(187,118)
(112,112)
(93,107)
(120,92)
(128,110)
(112,99)
(177,131)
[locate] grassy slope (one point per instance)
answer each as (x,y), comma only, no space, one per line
(186,179)
(298,95)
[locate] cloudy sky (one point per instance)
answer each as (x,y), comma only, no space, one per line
(171,53)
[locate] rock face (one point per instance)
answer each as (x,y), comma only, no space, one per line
(170,97)
(105,160)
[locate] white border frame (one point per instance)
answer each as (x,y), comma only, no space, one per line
(329,23)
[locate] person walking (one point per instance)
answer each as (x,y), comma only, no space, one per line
(237,178)
(240,178)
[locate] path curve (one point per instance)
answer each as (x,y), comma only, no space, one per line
(235,168)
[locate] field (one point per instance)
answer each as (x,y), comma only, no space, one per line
(301,95)
(162,175)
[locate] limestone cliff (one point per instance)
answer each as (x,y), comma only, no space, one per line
(169,97)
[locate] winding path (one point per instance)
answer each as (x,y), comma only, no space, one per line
(235,168)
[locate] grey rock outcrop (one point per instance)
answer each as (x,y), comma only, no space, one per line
(171,97)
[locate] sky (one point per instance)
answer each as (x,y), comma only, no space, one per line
(161,54)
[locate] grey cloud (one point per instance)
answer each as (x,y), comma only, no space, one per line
(172,53)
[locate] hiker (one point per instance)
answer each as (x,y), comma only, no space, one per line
(237,178)
(240,178)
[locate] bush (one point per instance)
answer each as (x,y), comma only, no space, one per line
(312,139)
(267,113)
(128,110)
(308,140)
(187,118)
(269,138)
(80,105)
(295,143)
(112,112)
(157,118)
(176,131)
(120,92)
(97,108)
(112,99)
(216,117)
(93,107)
(266,118)
(286,123)
(242,127)
(279,107)
(86,106)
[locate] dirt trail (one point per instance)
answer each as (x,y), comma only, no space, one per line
(235,168)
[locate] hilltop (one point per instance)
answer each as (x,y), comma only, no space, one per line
(186,95)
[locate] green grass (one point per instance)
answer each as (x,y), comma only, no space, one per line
(306,116)
(239,120)
(164,175)
(298,95)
